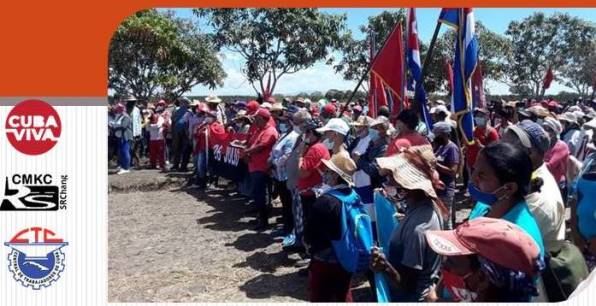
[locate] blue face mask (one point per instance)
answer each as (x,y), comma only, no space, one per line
(374,135)
(481,196)
(480,121)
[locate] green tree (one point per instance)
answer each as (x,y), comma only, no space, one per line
(580,61)
(540,42)
(275,42)
(356,52)
(154,53)
(493,50)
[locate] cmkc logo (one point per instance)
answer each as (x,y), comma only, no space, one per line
(33,127)
(36,259)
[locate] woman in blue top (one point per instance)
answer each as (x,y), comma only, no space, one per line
(499,183)
(583,210)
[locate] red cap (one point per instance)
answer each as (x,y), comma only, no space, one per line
(497,240)
(252,107)
(329,109)
(263,112)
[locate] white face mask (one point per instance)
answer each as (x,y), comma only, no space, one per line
(328,143)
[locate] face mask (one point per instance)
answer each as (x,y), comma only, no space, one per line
(457,287)
(481,196)
(391,191)
(328,143)
(374,135)
(480,121)
(305,139)
(283,127)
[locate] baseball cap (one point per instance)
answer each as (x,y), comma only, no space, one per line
(536,134)
(263,112)
(497,240)
(441,128)
(252,107)
(329,109)
(335,125)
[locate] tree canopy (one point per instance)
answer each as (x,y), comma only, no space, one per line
(275,42)
(154,53)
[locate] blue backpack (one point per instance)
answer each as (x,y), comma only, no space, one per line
(353,248)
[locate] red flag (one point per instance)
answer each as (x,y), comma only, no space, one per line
(548,78)
(478,88)
(449,72)
(388,69)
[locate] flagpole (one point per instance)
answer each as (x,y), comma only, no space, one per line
(429,53)
(371,64)
(404,82)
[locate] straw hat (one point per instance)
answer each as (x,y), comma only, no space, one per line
(362,121)
(343,165)
(539,111)
(212,99)
(277,107)
(194,102)
(242,114)
(407,174)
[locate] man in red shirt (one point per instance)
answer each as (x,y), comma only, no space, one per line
(484,134)
(311,151)
(258,168)
(407,120)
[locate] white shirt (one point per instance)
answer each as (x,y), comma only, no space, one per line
(548,208)
(136,122)
(362,145)
(156,129)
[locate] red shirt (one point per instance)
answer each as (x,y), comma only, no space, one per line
(266,137)
(406,141)
(311,161)
(485,137)
(217,134)
(253,131)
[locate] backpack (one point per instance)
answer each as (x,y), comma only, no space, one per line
(565,269)
(353,248)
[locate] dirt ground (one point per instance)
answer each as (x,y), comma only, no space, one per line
(168,243)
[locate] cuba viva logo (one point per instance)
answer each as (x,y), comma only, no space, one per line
(33,127)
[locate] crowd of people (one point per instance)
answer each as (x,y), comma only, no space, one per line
(529,161)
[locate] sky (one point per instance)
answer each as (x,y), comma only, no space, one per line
(321,77)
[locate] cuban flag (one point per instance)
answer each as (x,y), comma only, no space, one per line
(464,65)
(415,67)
